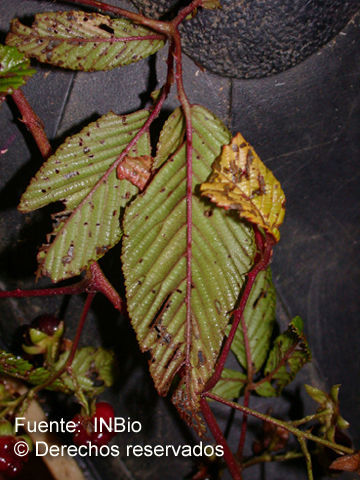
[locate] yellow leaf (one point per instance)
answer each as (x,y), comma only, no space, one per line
(240,181)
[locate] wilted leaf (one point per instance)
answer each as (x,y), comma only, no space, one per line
(347,463)
(78,174)
(329,404)
(259,316)
(14,69)
(83,41)
(288,355)
(154,263)
(135,169)
(230,385)
(240,181)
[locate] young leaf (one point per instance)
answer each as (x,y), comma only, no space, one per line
(288,355)
(154,264)
(329,404)
(82,174)
(14,69)
(230,385)
(240,181)
(83,41)
(259,316)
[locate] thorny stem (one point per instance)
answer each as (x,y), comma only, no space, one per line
(94,281)
(219,438)
(265,253)
(285,425)
(32,122)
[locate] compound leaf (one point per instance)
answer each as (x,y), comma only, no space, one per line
(83,41)
(259,316)
(82,174)
(154,264)
(240,181)
(288,355)
(14,69)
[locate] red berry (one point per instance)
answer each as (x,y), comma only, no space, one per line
(85,426)
(46,323)
(10,464)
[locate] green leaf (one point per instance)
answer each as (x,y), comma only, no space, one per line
(171,138)
(259,316)
(14,365)
(83,41)
(288,355)
(82,174)
(14,69)
(230,385)
(154,264)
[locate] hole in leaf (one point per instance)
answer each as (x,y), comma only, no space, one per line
(106,28)
(160,311)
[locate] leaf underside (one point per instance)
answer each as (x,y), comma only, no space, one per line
(78,175)
(14,69)
(240,181)
(288,355)
(82,41)
(259,316)
(154,263)
(231,384)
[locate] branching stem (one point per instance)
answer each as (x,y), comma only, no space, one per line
(285,425)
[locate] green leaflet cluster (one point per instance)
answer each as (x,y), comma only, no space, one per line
(82,41)
(154,261)
(14,69)
(82,175)
(92,371)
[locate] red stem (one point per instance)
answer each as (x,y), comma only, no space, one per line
(189,174)
(220,439)
(265,249)
(247,390)
(42,292)
(32,122)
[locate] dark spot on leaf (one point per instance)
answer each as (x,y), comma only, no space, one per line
(101,250)
(201,358)
(86,150)
(114,213)
(162,190)
(141,260)
(208,213)
(178,290)
(57,170)
(106,28)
